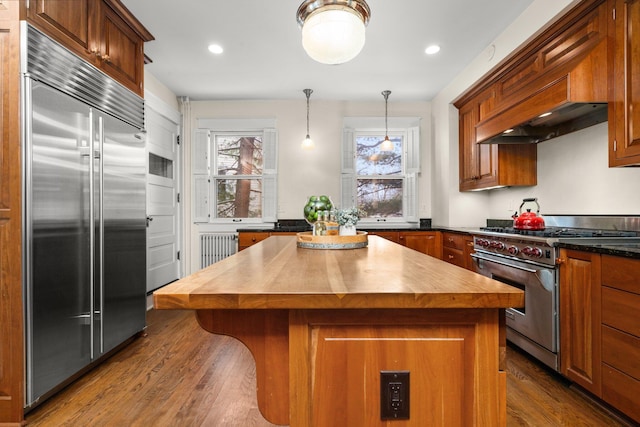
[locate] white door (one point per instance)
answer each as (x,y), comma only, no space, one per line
(162,200)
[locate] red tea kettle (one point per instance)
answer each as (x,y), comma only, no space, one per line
(528,220)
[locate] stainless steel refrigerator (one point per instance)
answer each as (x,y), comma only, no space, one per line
(84,214)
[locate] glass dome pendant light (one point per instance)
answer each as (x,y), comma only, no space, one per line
(333,31)
(307,143)
(387,144)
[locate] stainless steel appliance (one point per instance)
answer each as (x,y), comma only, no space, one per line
(84,215)
(527,259)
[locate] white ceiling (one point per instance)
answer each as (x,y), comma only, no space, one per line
(264,59)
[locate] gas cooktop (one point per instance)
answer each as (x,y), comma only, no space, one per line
(561,232)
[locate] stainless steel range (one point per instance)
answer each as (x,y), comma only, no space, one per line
(528,260)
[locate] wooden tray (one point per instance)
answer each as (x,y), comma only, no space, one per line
(308,241)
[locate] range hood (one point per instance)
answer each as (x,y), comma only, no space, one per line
(569,118)
(546,114)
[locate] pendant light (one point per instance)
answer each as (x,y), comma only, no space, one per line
(387,144)
(333,31)
(307,143)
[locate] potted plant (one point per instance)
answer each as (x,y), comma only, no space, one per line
(347,219)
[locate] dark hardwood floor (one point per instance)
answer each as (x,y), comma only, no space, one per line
(180,375)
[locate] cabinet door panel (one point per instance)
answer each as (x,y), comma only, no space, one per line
(122,50)
(66,20)
(580,324)
(625,123)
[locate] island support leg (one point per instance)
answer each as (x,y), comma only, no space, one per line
(266,334)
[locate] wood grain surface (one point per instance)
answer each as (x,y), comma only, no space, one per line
(275,273)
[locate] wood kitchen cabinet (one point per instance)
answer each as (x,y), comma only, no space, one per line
(11,298)
(624,110)
(394,236)
(102,32)
(621,334)
(599,327)
(457,249)
(427,242)
(246,239)
(580,318)
(485,166)
(567,63)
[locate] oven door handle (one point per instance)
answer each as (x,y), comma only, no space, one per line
(528,270)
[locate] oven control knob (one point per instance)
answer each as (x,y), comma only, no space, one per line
(499,246)
(483,243)
(532,252)
(513,250)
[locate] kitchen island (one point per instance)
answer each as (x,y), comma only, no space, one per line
(323,324)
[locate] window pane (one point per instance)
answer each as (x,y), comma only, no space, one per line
(239,198)
(371,161)
(380,198)
(160,166)
(239,155)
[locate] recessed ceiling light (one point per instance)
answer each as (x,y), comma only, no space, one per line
(434,48)
(216,49)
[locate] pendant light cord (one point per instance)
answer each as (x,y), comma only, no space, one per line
(308,92)
(386,94)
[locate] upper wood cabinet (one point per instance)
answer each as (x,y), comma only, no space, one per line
(103,32)
(564,64)
(624,110)
(485,166)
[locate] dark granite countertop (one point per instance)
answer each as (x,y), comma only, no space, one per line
(628,250)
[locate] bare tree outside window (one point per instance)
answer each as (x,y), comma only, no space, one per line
(379,181)
(238,179)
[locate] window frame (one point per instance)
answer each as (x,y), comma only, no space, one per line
(406,127)
(204,171)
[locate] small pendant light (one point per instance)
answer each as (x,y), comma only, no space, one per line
(387,144)
(307,143)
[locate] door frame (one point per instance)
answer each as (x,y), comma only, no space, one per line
(163,109)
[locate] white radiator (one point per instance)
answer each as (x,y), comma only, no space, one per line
(216,246)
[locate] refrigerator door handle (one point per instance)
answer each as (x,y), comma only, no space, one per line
(101,229)
(92,232)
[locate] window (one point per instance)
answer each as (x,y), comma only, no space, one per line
(381,183)
(237,175)
(234,174)
(379,176)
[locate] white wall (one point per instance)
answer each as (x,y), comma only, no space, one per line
(574,177)
(302,173)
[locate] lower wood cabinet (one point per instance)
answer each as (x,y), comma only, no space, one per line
(621,334)
(394,236)
(427,242)
(246,239)
(580,318)
(599,327)
(457,249)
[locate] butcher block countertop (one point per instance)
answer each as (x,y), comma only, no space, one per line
(276,274)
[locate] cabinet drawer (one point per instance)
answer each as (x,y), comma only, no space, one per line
(453,240)
(453,256)
(621,273)
(621,391)
(248,239)
(620,310)
(622,351)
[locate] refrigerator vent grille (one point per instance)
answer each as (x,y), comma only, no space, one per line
(50,63)
(215,247)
